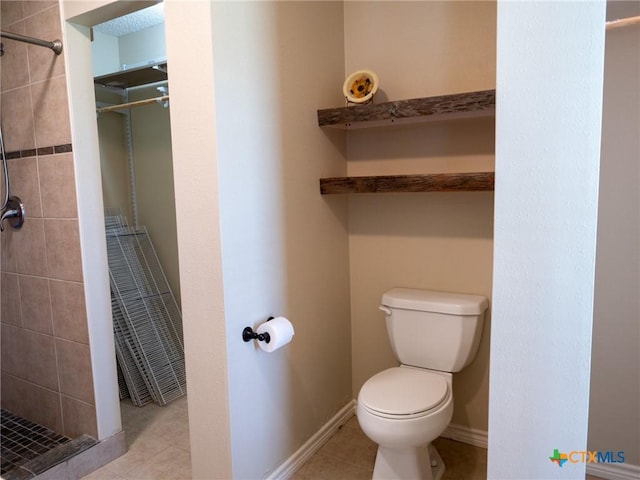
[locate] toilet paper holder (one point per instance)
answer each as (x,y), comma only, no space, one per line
(248,334)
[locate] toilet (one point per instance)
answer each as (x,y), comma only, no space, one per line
(403,409)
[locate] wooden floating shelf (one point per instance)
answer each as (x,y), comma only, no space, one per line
(417,110)
(435,182)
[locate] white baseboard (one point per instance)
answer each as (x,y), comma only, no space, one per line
(315,443)
(472,436)
(614,471)
(285,471)
(608,471)
(460,433)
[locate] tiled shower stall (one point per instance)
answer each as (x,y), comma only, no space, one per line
(46,366)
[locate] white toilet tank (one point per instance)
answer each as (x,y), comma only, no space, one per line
(434,330)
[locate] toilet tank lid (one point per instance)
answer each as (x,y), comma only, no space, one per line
(434,301)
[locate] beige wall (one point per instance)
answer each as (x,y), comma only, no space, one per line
(284,246)
(193,125)
(46,364)
(153,165)
(114,158)
(614,417)
(441,241)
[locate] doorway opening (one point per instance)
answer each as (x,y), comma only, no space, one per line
(133,117)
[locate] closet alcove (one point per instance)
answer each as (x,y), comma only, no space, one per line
(133,119)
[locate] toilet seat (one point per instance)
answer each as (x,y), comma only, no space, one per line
(403,393)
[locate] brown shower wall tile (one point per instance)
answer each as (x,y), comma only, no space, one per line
(40,366)
(69,311)
(25,184)
(34,6)
(18,131)
(8,261)
(52,126)
(29,356)
(44,151)
(10,343)
(63,249)
(15,63)
(10,299)
(36,304)
(64,148)
(30,253)
(57,186)
(74,368)
(30,152)
(43,63)
(78,418)
(10,12)
(36,403)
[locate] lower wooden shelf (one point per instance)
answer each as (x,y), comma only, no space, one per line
(433,182)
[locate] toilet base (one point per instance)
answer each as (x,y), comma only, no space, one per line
(422,463)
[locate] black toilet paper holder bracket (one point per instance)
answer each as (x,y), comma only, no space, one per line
(248,334)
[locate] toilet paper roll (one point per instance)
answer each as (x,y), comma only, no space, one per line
(280,330)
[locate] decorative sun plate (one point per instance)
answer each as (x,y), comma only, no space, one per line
(360,86)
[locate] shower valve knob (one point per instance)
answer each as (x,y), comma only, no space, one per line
(14,213)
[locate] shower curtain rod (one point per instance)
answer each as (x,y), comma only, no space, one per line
(623,22)
(56,45)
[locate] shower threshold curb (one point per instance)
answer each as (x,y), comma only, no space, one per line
(50,459)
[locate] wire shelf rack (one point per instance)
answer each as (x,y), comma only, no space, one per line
(146,319)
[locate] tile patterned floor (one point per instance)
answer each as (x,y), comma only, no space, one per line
(350,455)
(158,442)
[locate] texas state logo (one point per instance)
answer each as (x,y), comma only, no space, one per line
(586,457)
(559,458)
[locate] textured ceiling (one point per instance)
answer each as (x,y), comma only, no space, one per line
(133,22)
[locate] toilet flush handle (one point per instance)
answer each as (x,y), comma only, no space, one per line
(385,309)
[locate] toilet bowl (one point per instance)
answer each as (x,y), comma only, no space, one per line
(403,409)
